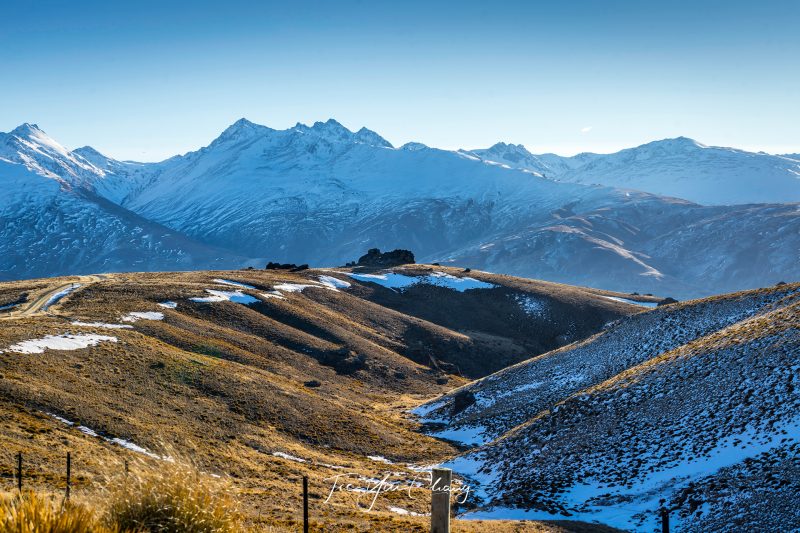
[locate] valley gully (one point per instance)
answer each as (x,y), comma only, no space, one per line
(375,487)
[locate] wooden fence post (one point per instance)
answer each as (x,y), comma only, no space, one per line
(441,478)
(305,504)
(664,520)
(69,475)
(19,471)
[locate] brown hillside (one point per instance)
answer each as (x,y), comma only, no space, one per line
(321,375)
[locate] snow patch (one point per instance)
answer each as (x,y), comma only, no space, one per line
(168,304)
(114,440)
(334,283)
(632,302)
(102,325)
(226,296)
(294,287)
(59,295)
(288,457)
(59,342)
(273,294)
(531,306)
(143,315)
(404,512)
(233,283)
(392,280)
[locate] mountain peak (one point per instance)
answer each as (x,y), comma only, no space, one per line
(677,143)
(333,130)
(508,147)
(240,129)
(27,129)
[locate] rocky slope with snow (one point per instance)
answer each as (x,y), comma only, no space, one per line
(692,404)
(322,194)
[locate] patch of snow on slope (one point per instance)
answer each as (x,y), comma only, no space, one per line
(226,296)
(404,512)
(300,287)
(233,283)
(334,283)
(143,315)
(466,435)
(632,302)
(59,342)
(114,440)
(532,306)
(168,304)
(399,282)
(288,457)
(273,294)
(60,294)
(102,325)
(379,459)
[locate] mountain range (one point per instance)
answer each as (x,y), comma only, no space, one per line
(322,194)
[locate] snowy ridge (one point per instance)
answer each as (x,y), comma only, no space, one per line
(679,167)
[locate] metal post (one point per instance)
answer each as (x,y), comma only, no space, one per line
(69,474)
(441,478)
(664,520)
(19,471)
(305,504)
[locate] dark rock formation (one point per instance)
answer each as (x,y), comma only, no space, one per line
(374,258)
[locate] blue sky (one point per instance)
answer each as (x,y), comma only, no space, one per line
(141,80)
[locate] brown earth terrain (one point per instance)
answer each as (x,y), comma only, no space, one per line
(309,381)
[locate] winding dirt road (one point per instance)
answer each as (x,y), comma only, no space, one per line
(41,303)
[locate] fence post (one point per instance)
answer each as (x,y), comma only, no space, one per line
(441,478)
(69,475)
(19,471)
(305,504)
(664,520)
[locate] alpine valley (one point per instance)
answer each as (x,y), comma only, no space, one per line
(672,217)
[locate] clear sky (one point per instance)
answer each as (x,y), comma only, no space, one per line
(148,79)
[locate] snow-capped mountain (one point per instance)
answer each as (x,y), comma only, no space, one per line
(322,194)
(51,222)
(692,404)
(679,167)
(511,155)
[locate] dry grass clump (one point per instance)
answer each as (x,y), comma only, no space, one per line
(171,496)
(30,512)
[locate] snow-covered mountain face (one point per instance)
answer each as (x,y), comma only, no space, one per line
(681,167)
(695,404)
(322,194)
(51,222)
